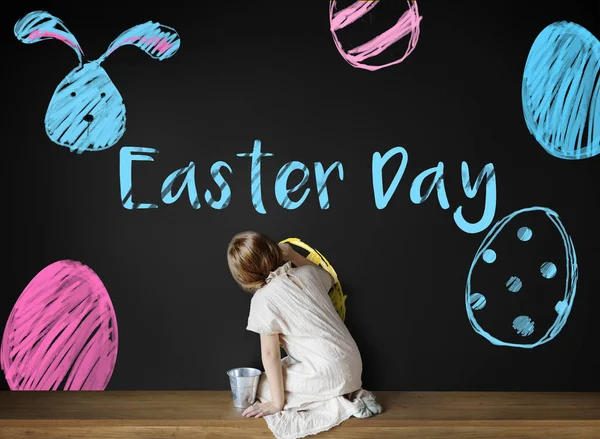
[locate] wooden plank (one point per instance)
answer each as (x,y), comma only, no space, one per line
(210,414)
(179,405)
(561,431)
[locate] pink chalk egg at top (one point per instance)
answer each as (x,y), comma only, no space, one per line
(342,15)
(62,332)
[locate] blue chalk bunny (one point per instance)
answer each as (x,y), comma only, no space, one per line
(86,112)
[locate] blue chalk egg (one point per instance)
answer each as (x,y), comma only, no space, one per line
(489,278)
(561,91)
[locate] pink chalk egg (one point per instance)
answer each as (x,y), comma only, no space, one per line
(62,332)
(408,25)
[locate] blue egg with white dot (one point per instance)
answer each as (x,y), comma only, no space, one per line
(504,295)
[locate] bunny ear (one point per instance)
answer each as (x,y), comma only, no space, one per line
(156,40)
(40,25)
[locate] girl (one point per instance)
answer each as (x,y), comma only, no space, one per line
(318,384)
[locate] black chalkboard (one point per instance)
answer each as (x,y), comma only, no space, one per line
(240,72)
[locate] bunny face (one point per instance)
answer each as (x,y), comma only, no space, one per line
(86,112)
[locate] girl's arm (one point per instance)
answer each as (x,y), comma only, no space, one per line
(291,255)
(271,358)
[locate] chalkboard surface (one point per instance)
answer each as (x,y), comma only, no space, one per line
(459,211)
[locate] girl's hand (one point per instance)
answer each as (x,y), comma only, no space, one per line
(261,409)
(286,251)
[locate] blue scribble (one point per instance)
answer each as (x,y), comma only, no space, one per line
(477,301)
(514,284)
(524,234)
(548,270)
(561,91)
(562,308)
(489,256)
(523,325)
(86,111)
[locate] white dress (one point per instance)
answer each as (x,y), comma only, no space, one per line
(323,367)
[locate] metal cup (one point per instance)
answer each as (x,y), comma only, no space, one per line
(244,385)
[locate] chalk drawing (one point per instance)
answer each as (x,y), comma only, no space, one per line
(523,325)
(86,111)
(561,91)
(407,25)
(62,332)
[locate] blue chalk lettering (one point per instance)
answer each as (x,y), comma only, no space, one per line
(489,210)
(281,189)
(416,195)
(225,199)
(256,155)
(381,198)
(126,156)
(189,182)
(321,178)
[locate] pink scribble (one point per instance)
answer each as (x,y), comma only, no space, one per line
(42,33)
(408,23)
(161,45)
(62,332)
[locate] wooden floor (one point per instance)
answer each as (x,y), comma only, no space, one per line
(210,414)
